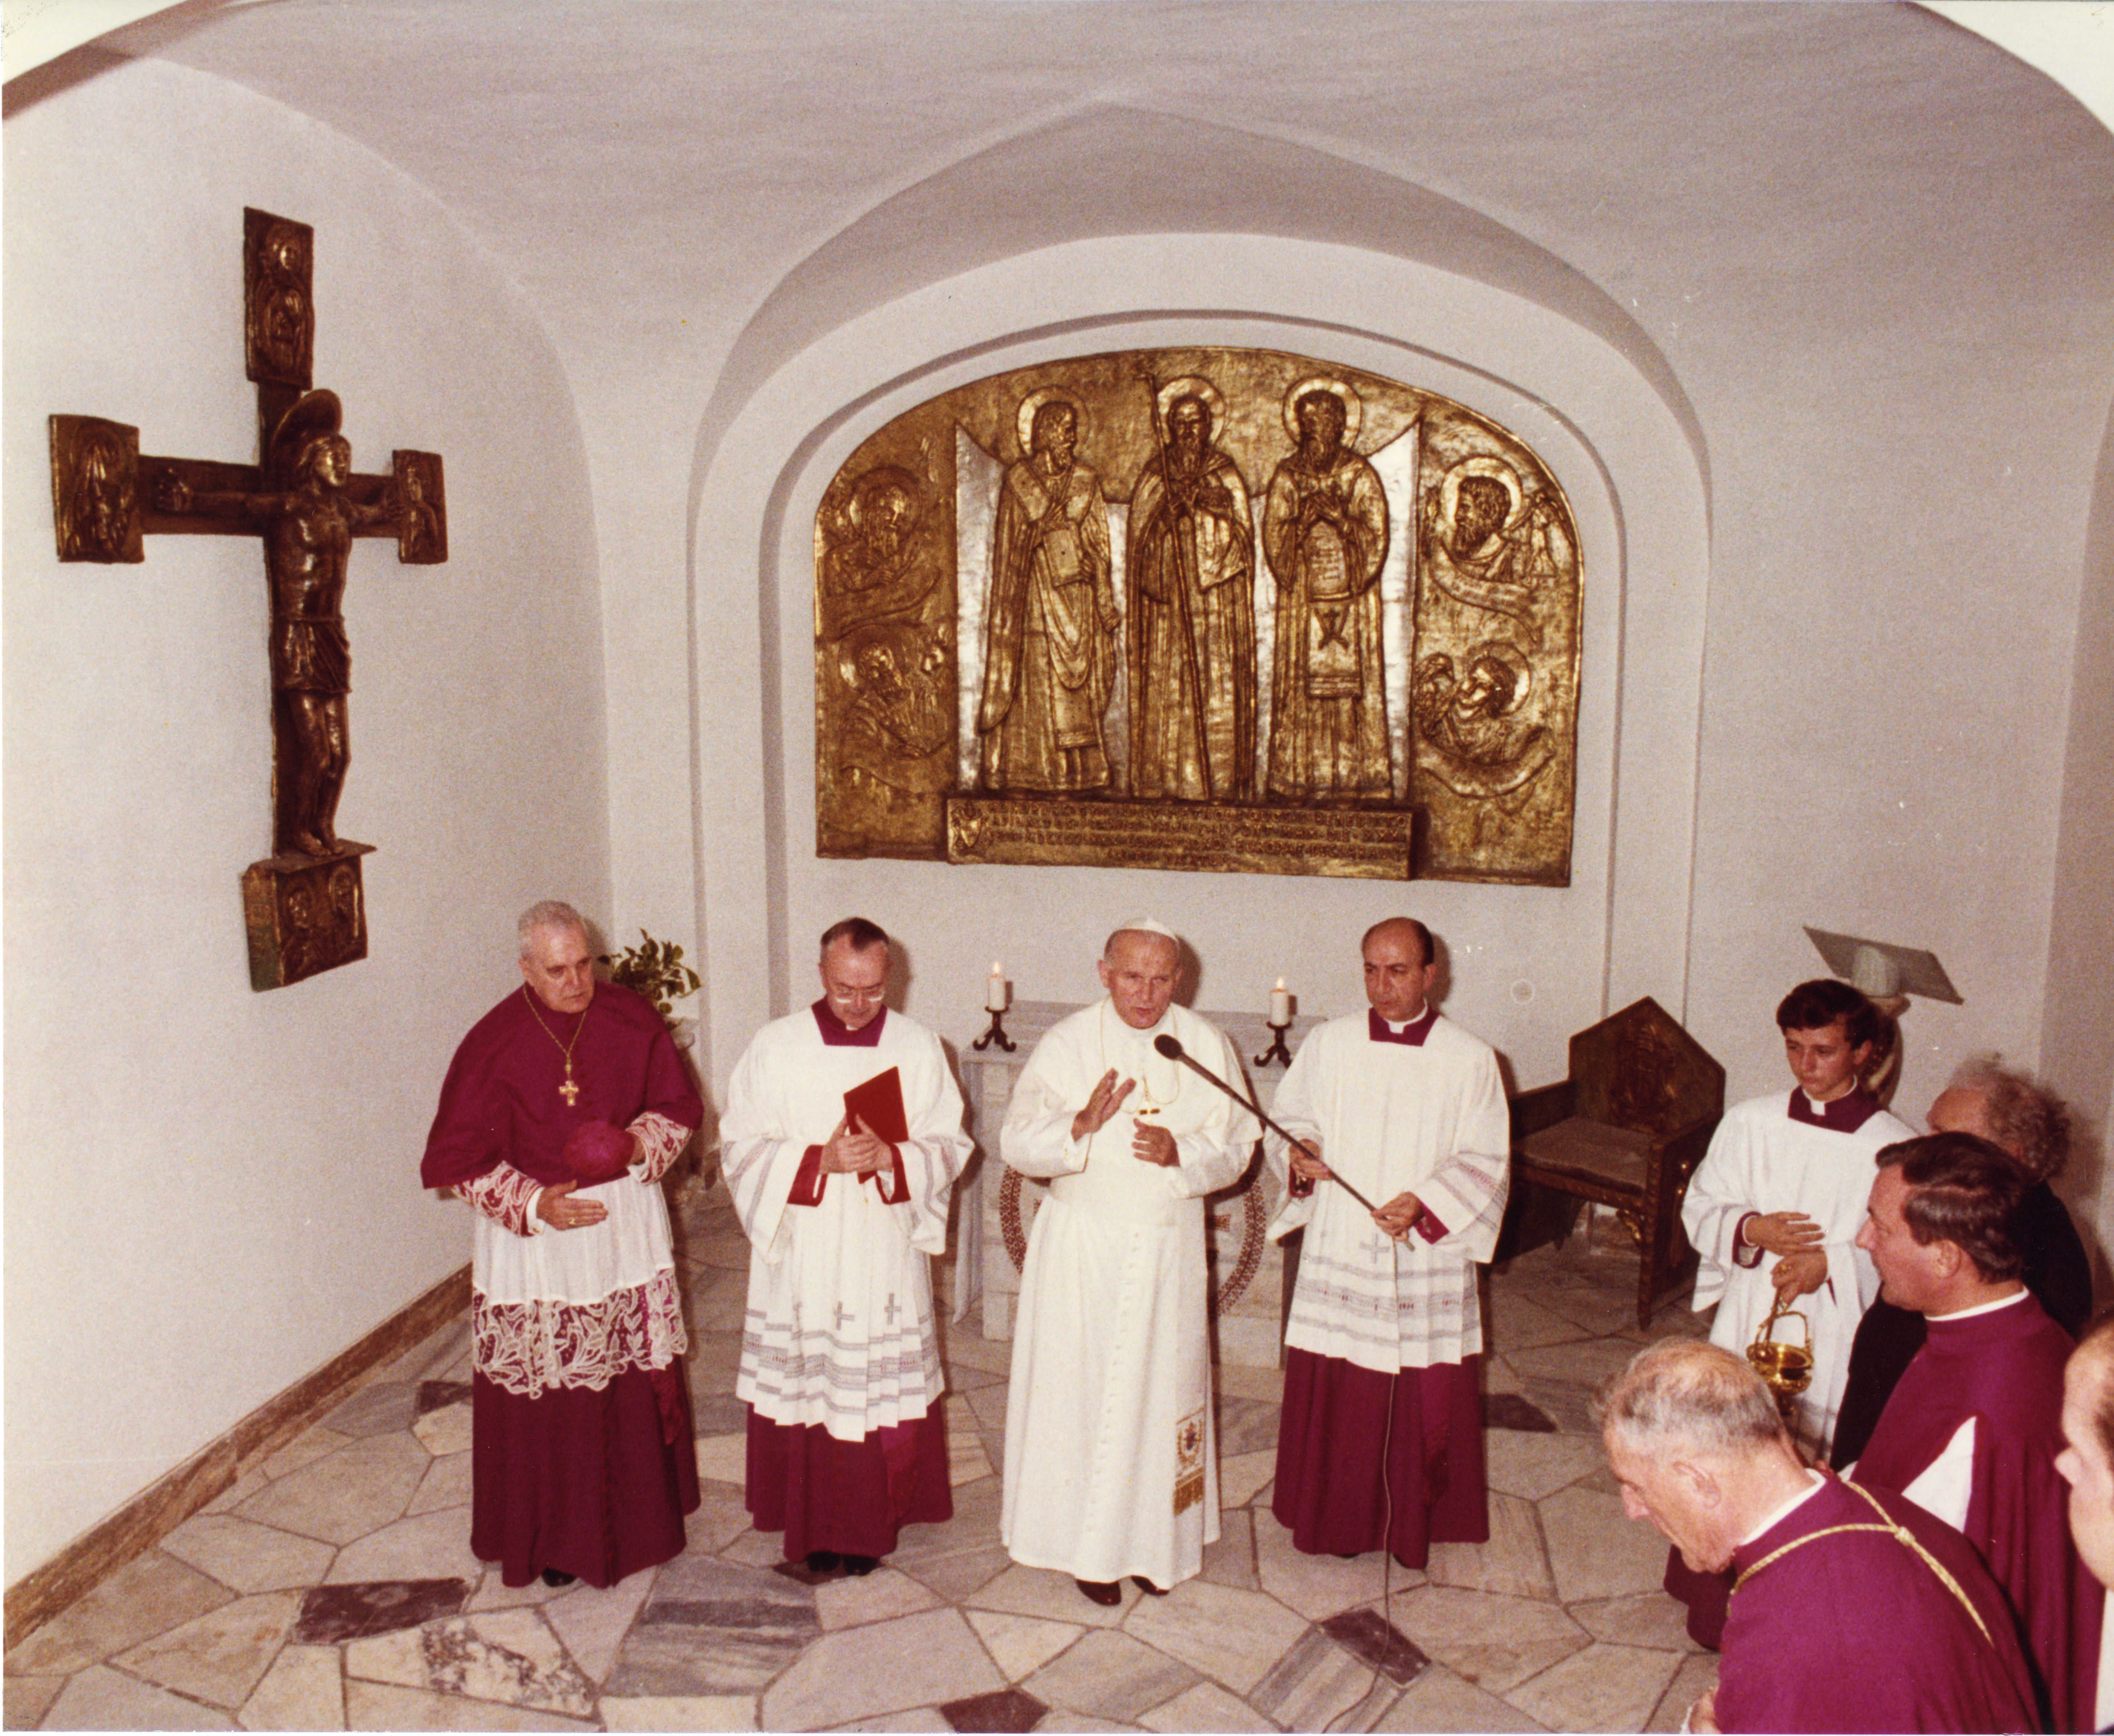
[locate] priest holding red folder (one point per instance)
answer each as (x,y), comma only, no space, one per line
(843,1136)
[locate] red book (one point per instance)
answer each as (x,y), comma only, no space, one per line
(877,1107)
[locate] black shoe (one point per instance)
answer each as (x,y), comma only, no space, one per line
(1146,1586)
(1101,1592)
(553,1578)
(824,1560)
(859,1566)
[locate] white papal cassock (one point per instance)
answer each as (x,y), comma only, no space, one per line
(1787,1153)
(1111,1467)
(840,1330)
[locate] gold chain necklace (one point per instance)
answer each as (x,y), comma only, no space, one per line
(1148,1104)
(569,1091)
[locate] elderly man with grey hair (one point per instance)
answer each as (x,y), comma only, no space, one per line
(1852,1608)
(562,1110)
(2030,1124)
(1111,1464)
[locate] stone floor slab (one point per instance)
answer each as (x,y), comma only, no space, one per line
(1035,1590)
(708,1712)
(1438,1700)
(447,1483)
(221,1656)
(1697,1676)
(1594,1552)
(1312,1685)
(304,1449)
(1603,1688)
(1241,1474)
(1492,1642)
(245,1556)
(592,1621)
(333,1613)
(381,1409)
(1319,1586)
(303,1690)
(923,1660)
(1206,1707)
(1020,1645)
(508,1655)
(146,1596)
(1246,1426)
(101,1698)
(1231,1636)
(1535,1465)
(1006,1709)
(967,1459)
(376,1706)
(1231,1561)
(27,1698)
(1513,1563)
(344,1495)
(1111,1675)
(445,1431)
(724,1459)
(853,1601)
(429,1545)
(1371,1638)
(1642,1618)
(712,1629)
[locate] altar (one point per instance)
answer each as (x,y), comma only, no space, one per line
(1248,1273)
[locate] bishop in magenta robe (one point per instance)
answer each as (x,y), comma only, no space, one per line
(582,1458)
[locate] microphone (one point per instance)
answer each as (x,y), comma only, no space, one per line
(1168,1044)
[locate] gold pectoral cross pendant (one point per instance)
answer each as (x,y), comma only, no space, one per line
(569,1091)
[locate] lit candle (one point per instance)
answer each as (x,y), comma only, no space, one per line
(994,990)
(1280,1004)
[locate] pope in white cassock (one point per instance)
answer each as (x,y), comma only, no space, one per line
(1111,1467)
(843,1137)
(1380,1440)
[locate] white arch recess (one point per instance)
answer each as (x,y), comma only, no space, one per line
(1625,451)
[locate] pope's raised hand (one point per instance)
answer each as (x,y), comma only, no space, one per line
(1306,1162)
(1107,1098)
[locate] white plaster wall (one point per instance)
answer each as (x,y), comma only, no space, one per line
(1528,965)
(209,1191)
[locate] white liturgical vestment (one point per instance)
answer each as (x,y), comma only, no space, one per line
(840,1330)
(1394,1118)
(1110,1464)
(1762,1161)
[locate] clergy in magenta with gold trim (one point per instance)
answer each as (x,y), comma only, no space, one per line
(1851,1609)
(582,1462)
(1111,1463)
(843,1137)
(1380,1440)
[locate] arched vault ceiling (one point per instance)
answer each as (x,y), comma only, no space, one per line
(1741,181)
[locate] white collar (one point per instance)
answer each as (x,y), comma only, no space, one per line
(1776,1515)
(1983,1308)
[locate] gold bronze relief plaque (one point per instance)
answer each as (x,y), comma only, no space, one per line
(1220,608)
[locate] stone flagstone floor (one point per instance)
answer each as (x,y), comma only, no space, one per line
(333,1589)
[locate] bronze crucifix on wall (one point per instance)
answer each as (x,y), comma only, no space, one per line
(303,906)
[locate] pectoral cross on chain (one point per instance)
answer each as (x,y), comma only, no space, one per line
(304,905)
(569,1091)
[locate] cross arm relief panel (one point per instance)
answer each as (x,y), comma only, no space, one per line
(1207,608)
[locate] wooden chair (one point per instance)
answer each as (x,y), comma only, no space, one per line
(1626,1130)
